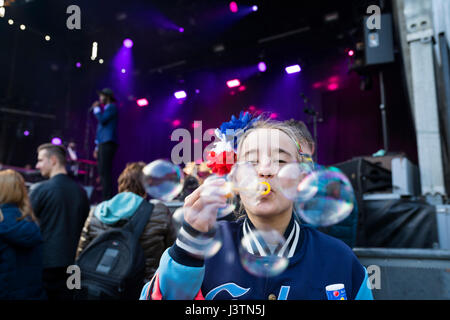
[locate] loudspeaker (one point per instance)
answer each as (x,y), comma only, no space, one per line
(366,176)
(379,43)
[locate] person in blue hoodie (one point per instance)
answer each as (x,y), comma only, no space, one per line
(158,233)
(20,242)
(318,267)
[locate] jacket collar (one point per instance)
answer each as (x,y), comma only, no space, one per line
(256,245)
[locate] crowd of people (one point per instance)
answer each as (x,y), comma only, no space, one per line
(44,233)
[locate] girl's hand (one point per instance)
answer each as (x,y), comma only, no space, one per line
(200,207)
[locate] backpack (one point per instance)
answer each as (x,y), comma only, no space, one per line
(113,264)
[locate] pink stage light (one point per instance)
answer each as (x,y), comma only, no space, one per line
(273,115)
(333,86)
(78,64)
(176,122)
(262,67)
(233,7)
(128,43)
(142,102)
(233,83)
(56,141)
(180,94)
(242,88)
(351,53)
(293,69)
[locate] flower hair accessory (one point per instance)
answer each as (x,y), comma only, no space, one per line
(224,154)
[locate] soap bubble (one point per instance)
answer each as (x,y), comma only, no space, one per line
(333,201)
(162,179)
(290,178)
(225,190)
(201,244)
(269,264)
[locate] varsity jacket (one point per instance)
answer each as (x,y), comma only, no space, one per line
(316,260)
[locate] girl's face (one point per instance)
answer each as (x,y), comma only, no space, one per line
(267,150)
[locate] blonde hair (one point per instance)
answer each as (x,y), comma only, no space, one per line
(292,131)
(14,191)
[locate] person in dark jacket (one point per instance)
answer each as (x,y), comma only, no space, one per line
(20,242)
(105,110)
(62,206)
(158,233)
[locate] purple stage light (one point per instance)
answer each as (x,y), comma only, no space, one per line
(180,94)
(123,70)
(78,64)
(293,69)
(142,102)
(56,141)
(26,133)
(255,8)
(233,83)
(128,43)
(233,7)
(262,67)
(181,29)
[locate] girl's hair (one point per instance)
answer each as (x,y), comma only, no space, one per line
(14,191)
(293,130)
(297,133)
(130,179)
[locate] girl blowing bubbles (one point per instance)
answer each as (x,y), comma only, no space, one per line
(315,260)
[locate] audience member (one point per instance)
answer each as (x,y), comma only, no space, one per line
(62,206)
(158,233)
(20,242)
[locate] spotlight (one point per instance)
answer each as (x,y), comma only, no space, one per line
(47,38)
(78,64)
(142,102)
(56,141)
(180,94)
(176,122)
(233,7)
(293,69)
(262,67)
(100,61)
(180,29)
(26,133)
(123,70)
(128,43)
(11,21)
(2,12)
(233,83)
(255,8)
(22,27)
(351,53)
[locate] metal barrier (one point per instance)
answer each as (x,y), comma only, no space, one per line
(408,274)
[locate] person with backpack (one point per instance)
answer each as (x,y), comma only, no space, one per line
(118,222)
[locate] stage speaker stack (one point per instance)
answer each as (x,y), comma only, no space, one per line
(387,216)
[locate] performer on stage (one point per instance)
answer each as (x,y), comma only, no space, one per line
(105,110)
